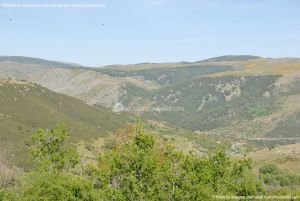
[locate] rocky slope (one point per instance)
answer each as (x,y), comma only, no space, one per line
(90,86)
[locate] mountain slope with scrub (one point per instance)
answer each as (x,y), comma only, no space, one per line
(24,107)
(238,96)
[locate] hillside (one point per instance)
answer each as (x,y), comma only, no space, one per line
(230,95)
(249,104)
(87,85)
(24,107)
(236,96)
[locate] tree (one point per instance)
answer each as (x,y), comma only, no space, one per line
(52,179)
(49,152)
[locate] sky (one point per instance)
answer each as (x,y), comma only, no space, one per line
(138,31)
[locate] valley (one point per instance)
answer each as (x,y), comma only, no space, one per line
(248,103)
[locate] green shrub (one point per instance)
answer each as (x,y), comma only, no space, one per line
(271,175)
(294,178)
(142,167)
(53,178)
(269,169)
(270,179)
(284,180)
(146,168)
(257,111)
(58,187)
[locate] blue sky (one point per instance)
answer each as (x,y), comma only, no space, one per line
(136,31)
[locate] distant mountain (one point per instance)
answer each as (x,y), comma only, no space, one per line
(83,83)
(36,61)
(234,95)
(230,58)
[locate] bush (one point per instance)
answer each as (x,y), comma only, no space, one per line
(270,179)
(284,180)
(59,187)
(254,112)
(271,175)
(146,168)
(53,179)
(139,167)
(269,169)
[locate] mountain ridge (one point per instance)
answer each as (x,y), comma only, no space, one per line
(148,85)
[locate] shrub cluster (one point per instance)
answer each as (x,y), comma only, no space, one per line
(142,167)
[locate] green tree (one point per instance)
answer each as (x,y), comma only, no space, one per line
(52,179)
(49,152)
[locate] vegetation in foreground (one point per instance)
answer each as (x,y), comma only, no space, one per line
(139,166)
